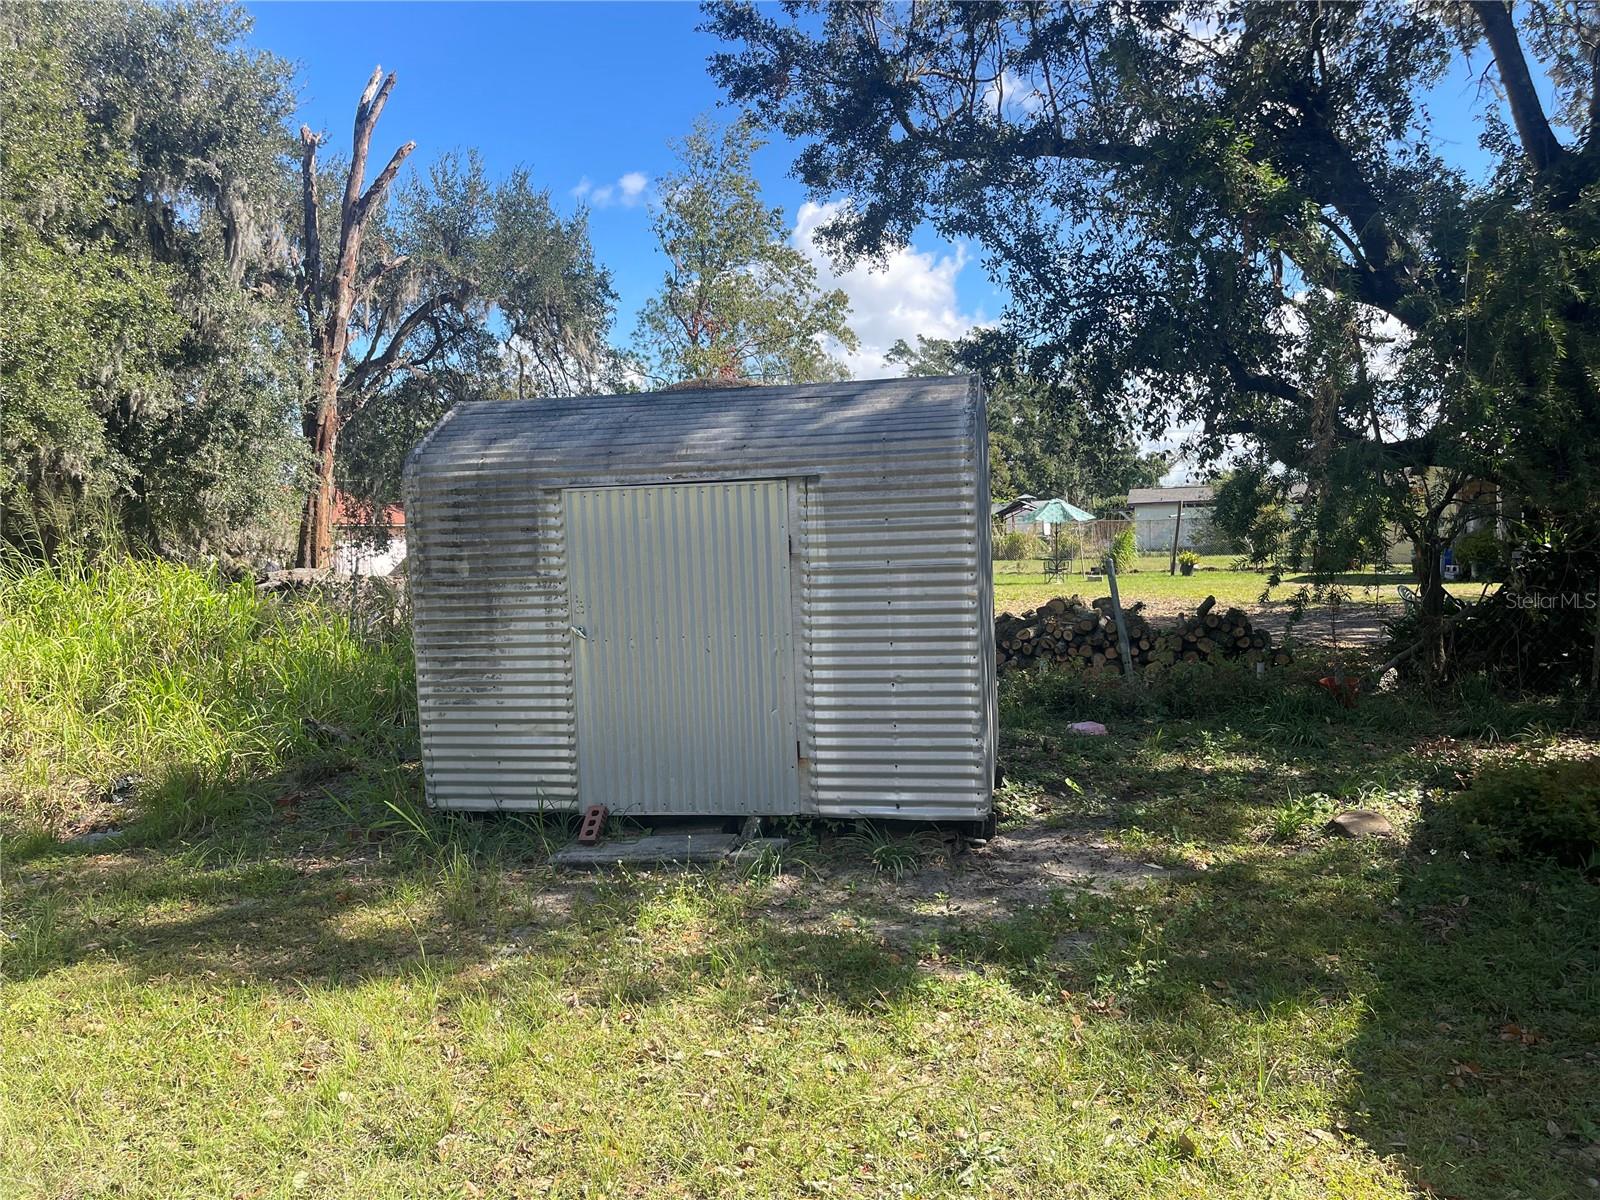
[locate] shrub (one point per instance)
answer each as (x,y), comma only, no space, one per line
(1205,689)
(1124,550)
(1533,808)
(1480,548)
(1015,545)
(1187,561)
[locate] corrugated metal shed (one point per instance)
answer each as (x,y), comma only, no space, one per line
(753,600)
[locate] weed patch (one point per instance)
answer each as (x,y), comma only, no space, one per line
(216,699)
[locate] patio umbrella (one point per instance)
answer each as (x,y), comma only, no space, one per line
(1057,512)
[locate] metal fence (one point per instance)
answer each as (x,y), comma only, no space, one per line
(1092,539)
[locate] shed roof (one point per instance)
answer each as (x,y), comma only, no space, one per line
(725,426)
(1199,493)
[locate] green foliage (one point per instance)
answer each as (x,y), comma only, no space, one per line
(155,317)
(1479,548)
(1549,808)
(1536,631)
(148,368)
(1014,545)
(1183,690)
(206,691)
(85,329)
(482,292)
(1237,215)
(1188,560)
(1124,549)
(738,300)
(556,301)
(894,854)
(1042,439)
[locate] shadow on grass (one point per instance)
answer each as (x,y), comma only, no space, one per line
(1473,1063)
(301,896)
(1463,998)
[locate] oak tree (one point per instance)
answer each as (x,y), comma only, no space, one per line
(1239,218)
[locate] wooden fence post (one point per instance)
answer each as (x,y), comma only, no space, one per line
(1116,612)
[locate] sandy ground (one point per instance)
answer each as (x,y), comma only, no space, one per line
(1015,871)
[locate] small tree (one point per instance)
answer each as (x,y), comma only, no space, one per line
(1124,550)
(738,301)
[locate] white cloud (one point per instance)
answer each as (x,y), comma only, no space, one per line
(632,186)
(628,191)
(1010,95)
(913,293)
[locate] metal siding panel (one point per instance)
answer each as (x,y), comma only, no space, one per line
(683,677)
(892,607)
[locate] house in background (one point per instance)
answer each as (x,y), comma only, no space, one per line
(1155,513)
(367,543)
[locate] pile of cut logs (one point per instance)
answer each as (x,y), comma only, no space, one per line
(1073,632)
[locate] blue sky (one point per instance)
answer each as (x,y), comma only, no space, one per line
(581,94)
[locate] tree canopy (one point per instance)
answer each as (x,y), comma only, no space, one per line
(148,365)
(738,301)
(1238,216)
(170,254)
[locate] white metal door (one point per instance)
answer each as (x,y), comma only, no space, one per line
(683,647)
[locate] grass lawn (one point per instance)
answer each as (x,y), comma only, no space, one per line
(286,979)
(1022,585)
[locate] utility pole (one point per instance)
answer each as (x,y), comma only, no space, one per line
(1177,532)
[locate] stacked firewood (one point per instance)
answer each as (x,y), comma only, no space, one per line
(1070,631)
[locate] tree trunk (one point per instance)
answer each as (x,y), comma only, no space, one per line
(1433,597)
(315,548)
(321,427)
(330,300)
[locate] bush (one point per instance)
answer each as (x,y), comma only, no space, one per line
(1183,690)
(1545,808)
(1480,548)
(1014,545)
(1187,561)
(1124,550)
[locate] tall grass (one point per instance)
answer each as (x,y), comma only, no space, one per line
(204,690)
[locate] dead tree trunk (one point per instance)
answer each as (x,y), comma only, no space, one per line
(329,300)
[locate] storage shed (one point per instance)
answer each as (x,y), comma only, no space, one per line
(768,600)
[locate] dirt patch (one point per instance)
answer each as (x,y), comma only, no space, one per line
(1016,871)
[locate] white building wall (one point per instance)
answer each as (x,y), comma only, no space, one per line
(1154,525)
(362,556)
